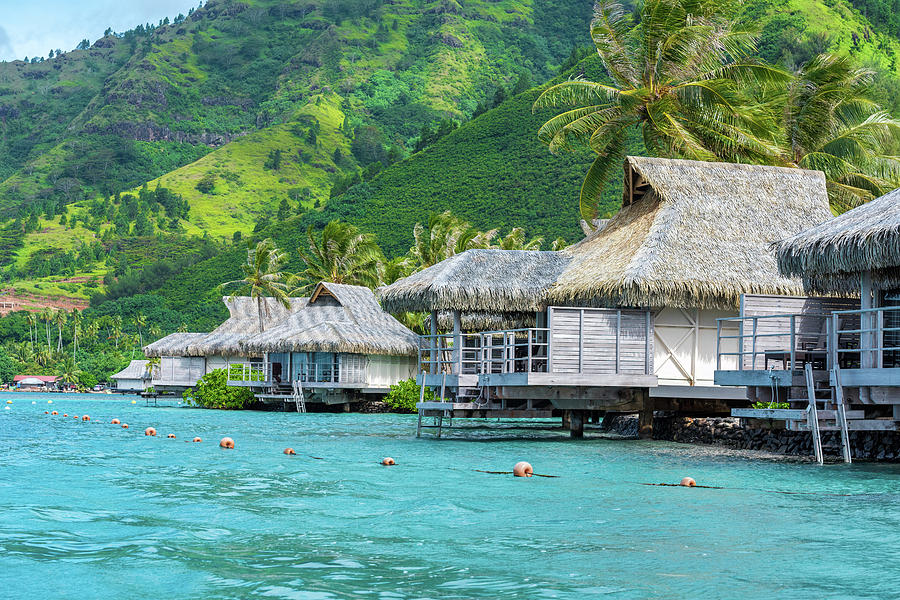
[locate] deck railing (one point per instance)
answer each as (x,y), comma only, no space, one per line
(175,371)
(866,338)
(249,373)
(262,374)
(504,351)
(772,342)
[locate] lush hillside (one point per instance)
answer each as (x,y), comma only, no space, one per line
(234,67)
(241,115)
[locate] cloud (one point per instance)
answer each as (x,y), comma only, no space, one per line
(5,44)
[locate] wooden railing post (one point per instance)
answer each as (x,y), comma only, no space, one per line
(753,354)
(718,344)
(618,335)
(793,342)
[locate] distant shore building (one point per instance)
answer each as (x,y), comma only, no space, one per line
(186,357)
(626,319)
(340,348)
(335,347)
(36,383)
(135,378)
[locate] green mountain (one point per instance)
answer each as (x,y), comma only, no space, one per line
(132,165)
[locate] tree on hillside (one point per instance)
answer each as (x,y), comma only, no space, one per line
(341,255)
(263,277)
(678,77)
(443,236)
(832,125)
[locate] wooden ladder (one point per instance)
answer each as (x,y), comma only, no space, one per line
(812,415)
(841,414)
(299,398)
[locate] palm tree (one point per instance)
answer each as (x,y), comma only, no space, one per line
(60,318)
(23,353)
(68,370)
(140,321)
(31,319)
(515,240)
(677,77)
(47,318)
(90,331)
(76,328)
(153,365)
(444,236)
(342,255)
(263,277)
(832,125)
(115,326)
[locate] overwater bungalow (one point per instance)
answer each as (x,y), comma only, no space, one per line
(830,364)
(186,357)
(340,348)
(626,319)
(135,378)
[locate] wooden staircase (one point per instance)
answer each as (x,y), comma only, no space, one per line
(826,410)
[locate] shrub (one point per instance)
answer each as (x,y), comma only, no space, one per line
(211,392)
(404,396)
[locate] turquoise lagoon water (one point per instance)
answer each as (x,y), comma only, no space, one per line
(89,510)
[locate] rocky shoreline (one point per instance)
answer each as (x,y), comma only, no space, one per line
(750,434)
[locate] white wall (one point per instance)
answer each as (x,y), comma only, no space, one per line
(130,384)
(383,371)
(685,345)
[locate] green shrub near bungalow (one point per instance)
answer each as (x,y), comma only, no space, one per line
(404,396)
(212,392)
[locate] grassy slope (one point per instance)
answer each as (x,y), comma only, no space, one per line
(245,189)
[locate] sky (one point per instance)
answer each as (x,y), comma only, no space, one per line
(34,27)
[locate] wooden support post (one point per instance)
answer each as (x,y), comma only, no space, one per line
(866,340)
(434,352)
(457,342)
(645,416)
(576,423)
(566,417)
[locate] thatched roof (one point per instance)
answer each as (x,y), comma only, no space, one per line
(136,369)
(831,255)
(225,339)
(174,344)
(338,318)
(478,281)
(692,234)
(243,322)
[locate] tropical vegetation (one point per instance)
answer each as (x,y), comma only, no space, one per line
(684,73)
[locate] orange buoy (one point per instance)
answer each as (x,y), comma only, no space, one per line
(75,417)
(226,442)
(150,431)
(124,425)
(86,418)
(387,461)
(196,439)
(46,412)
(65,414)
(171,436)
(523,469)
(688,482)
(289,451)
(54,413)
(114,422)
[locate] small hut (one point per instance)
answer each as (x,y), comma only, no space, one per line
(342,341)
(134,378)
(186,357)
